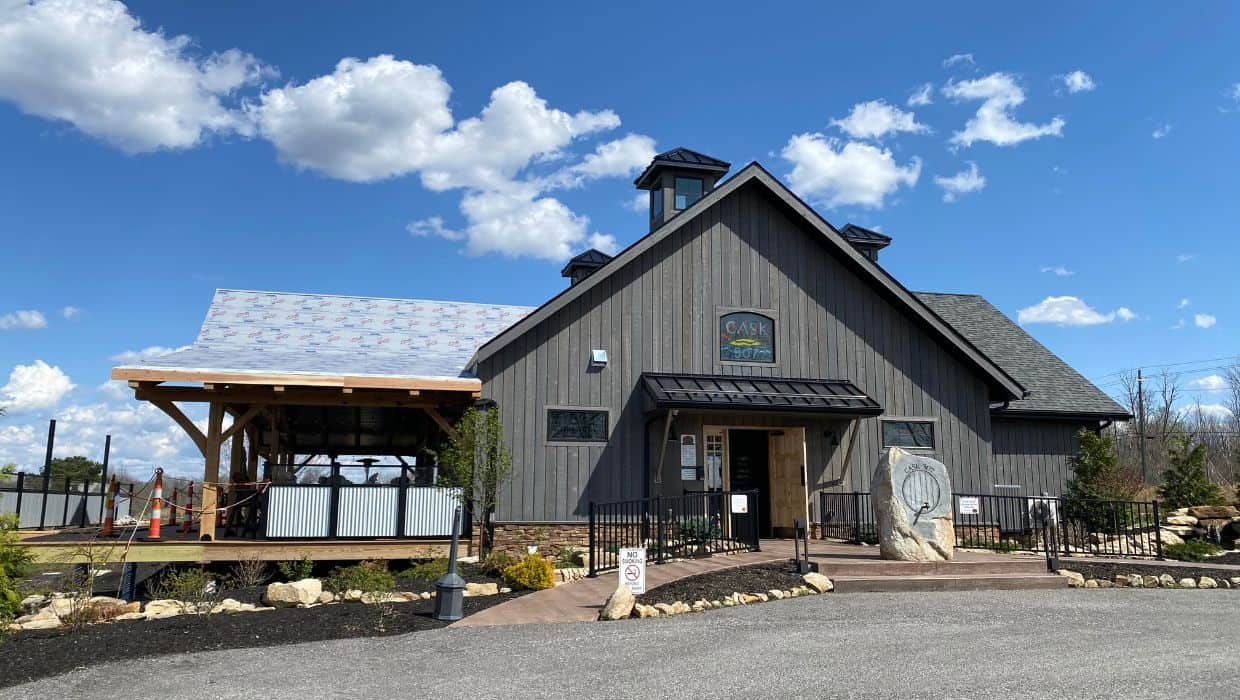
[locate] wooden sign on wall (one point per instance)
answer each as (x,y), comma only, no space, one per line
(745,336)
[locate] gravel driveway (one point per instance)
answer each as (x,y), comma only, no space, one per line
(1071,643)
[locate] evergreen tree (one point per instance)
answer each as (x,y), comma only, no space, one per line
(1098,477)
(77,468)
(1185,482)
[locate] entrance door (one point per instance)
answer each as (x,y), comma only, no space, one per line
(789,500)
(749,469)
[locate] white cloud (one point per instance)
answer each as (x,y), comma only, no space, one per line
(922,96)
(1204,321)
(1183,304)
(963,182)
(876,118)
(34,387)
(851,173)
(1078,81)
(639,203)
(1235,92)
(1058,270)
(1178,325)
(994,121)
(1213,382)
(625,156)
(1069,311)
(1161,131)
(91,64)
(28,320)
(1216,411)
(71,313)
(115,389)
(958,58)
(136,356)
(1185,257)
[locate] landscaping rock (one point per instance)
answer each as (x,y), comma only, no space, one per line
(1206,582)
(619,605)
(64,607)
(327,597)
(775,593)
(1235,580)
(1218,523)
(645,611)
(288,595)
(749,599)
(426,595)
(476,589)
(505,589)
(1106,584)
(1091,583)
(352,595)
(681,607)
(665,609)
(1149,581)
(126,617)
(45,619)
(1181,520)
(1179,511)
(912,502)
(1208,512)
(1187,583)
(817,582)
(159,609)
(1169,537)
(1166,581)
(1224,583)
(1121,580)
(230,605)
(1075,580)
(33,602)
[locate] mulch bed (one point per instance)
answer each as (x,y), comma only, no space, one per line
(1109,571)
(34,654)
(715,585)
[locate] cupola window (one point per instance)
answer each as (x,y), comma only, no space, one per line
(688,191)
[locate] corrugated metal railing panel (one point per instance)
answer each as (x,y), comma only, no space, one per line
(298,511)
(429,509)
(367,511)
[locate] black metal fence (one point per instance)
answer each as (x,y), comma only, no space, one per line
(1042,524)
(40,501)
(674,527)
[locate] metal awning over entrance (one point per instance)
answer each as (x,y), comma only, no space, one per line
(714,392)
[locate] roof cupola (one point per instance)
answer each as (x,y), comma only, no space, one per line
(676,179)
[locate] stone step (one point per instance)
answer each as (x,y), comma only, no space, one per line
(833,567)
(908,584)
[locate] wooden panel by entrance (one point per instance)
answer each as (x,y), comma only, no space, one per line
(789,498)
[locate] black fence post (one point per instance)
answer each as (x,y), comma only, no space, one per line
(856,517)
(21,488)
(64,515)
(1157,531)
(757,522)
(590,555)
(47,484)
(401,500)
(658,515)
(333,502)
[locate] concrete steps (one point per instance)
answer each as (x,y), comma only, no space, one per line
(990,574)
(833,567)
(906,584)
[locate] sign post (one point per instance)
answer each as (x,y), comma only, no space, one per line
(633,569)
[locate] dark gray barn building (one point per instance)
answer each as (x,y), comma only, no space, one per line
(745,339)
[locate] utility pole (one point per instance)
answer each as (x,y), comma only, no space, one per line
(1141,422)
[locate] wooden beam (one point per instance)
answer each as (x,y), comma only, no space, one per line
(440,421)
(174,412)
(240,422)
(298,380)
(300,397)
(211,472)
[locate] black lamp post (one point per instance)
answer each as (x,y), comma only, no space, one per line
(450,588)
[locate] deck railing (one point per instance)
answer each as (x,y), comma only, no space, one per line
(674,527)
(40,501)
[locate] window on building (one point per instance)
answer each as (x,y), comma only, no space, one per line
(746,337)
(909,434)
(656,204)
(688,191)
(576,425)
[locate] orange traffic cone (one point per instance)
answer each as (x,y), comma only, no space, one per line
(189,509)
(109,510)
(157,503)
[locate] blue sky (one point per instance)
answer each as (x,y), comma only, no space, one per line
(1073,163)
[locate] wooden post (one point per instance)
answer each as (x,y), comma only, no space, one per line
(236,460)
(211,472)
(251,434)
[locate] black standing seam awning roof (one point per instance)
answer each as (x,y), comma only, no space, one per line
(758,393)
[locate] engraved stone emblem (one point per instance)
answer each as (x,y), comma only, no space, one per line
(912,504)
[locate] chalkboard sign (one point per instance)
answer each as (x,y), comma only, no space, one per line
(746,337)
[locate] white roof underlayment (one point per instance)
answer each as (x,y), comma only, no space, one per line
(323,334)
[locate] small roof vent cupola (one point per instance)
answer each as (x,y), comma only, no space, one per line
(584,265)
(867,242)
(676,179)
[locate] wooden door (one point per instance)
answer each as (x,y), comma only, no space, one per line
(789,497)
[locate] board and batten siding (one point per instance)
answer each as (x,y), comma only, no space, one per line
(659,313)
(1033,454)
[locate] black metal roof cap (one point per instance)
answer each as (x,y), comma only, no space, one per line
(864,236)
(680,157)
(704,391)
(592,258)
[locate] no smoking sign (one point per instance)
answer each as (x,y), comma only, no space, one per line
(633,569)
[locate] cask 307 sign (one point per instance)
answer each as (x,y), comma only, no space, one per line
(746,337)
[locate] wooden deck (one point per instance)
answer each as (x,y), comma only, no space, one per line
(69,547)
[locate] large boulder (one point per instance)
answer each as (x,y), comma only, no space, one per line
(1186,520)
(818,582)
(1213,512)
(45,619)
(290,595)
(477,589)
(619,606)
(159,609)
(1169,537)
(912,499)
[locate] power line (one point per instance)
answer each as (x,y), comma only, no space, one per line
(1232,358)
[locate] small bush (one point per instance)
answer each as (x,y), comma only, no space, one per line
(1192,550)
(531,573)
(1185,482)
(568,558)
(10,601)
(367,577)
(495,563)
(428,570)
(297,570)
(699,530)
(15,560)
(249,573)
(194,587)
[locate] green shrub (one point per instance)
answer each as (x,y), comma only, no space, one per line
(428,570)
(10,601)
(1192,550)
(531,573)
(1098,476)
(15,560)
(699,530)
(495,563)
(568,558)
(192,586)
(367,577)
(297,570)
(1185,482)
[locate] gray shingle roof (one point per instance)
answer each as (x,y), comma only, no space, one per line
(1055,387)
